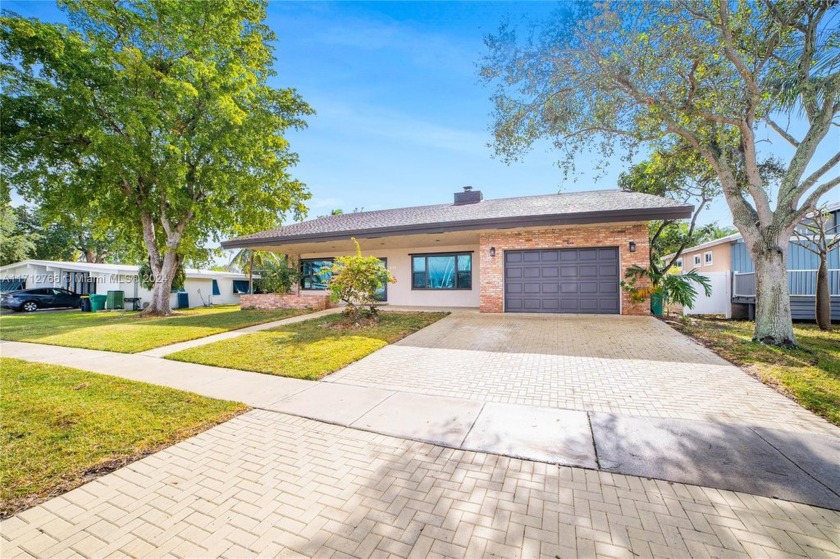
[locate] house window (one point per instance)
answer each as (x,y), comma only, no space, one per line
(707,258)
(240,286)
(696,259)
(382,293)
(12,284)
(441,271)
(313,274)
(679,262)
(216,288)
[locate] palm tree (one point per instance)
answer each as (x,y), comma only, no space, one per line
(245,260)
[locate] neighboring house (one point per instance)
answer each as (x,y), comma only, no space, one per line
(200,287)
(557,253)
(729,257)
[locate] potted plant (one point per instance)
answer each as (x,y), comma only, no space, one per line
(664,287)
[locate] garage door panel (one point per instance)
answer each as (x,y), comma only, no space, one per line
(607,306)
(563,281)
(609,270)
(607,287)
(589,287)
(532,304)
(588,271)
(567,288)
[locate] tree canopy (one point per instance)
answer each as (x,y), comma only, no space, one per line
(156,119)
(614,77)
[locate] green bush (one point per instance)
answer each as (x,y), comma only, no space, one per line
(674,287)
(276,276)
(355,281)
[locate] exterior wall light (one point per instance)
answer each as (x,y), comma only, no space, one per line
(632,246)
(492,252)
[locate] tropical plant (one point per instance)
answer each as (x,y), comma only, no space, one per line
(355,281)
(154,117)
(247,261)
(615,77)
(277,275)
(816,235)
(672,286)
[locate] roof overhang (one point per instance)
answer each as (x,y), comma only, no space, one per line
(581,218)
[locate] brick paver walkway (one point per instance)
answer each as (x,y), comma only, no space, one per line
(616,364)
(272,485)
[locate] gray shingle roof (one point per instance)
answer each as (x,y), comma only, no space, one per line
(596,206)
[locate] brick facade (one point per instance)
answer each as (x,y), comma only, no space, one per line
(267,301)
(575,236)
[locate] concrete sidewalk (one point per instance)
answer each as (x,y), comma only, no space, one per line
(172,348)
(791,466)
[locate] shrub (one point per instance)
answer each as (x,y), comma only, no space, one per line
(673,287)
(276,276)
(355,281)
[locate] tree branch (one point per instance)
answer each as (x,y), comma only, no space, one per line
(782,132)
(810,203)
(814,177)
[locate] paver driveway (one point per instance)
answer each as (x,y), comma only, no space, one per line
(272,485)
(616,364)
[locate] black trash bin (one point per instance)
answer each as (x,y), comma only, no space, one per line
(84,303)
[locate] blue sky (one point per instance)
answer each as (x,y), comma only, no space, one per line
(402,117)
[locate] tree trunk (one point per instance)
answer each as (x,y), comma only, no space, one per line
(822,307)
(162,289)
(773,321)
(163,269)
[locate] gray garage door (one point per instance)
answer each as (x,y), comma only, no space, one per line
(577,280)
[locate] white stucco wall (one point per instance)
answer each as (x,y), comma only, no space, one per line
(401,293)
(38,275)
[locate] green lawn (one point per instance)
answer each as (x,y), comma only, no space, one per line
(809,374)
(310,349)
(60,427)
(127,332)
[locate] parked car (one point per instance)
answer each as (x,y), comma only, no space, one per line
(30,300)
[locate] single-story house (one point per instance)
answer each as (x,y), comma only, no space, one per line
(201,286)
(556,253)
(728,260)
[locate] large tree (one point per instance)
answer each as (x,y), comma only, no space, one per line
(71,237)
(717,74)
(16,243)
(682,174)
(154,117)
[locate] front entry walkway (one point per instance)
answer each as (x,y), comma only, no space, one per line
(273,485)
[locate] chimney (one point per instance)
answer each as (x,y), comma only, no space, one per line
(468,196)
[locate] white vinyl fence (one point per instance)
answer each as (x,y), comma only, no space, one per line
(720,302)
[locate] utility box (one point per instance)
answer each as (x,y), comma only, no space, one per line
(115,300)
